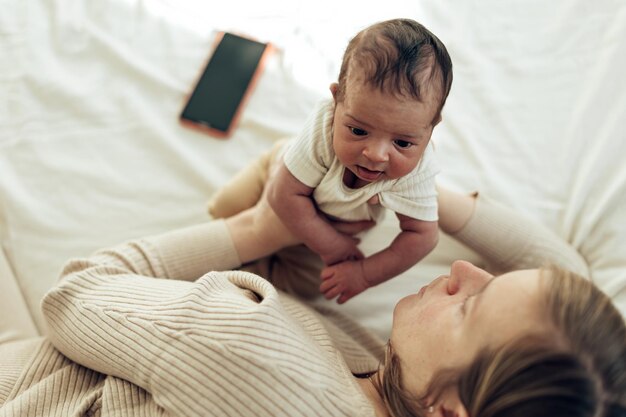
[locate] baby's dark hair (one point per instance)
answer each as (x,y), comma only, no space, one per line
(399,56)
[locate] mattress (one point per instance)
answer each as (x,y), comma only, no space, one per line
(92,153)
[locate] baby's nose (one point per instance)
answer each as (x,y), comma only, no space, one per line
(376,153)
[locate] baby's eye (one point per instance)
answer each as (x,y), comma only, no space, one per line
(356,131)
(403,144)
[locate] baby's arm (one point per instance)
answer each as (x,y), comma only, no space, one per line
(348,279)
(416,240)
(293,203)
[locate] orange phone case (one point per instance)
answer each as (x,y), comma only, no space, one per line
(253,81)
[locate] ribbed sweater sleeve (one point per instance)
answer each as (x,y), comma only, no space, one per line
(509,241)
(201,343)
(13,358)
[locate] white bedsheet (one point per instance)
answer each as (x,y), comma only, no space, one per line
(91,152)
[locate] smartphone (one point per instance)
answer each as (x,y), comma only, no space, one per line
(216,101)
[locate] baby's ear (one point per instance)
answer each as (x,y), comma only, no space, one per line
(333,89)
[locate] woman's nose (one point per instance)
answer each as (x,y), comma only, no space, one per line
(466,276)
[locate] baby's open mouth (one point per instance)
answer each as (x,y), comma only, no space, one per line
(368,174)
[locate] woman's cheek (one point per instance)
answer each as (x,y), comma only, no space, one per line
(440,310)
(431,312)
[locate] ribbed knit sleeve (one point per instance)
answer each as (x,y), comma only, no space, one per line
(202,343)
(13,358)
(509,241)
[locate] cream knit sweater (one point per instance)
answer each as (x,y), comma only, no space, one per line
(192,343)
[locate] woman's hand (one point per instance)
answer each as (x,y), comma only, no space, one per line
(342,249)
(257,231)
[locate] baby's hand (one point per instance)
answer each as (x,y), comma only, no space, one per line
(345,279)
(342,249)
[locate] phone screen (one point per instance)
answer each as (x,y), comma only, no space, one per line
(219,93)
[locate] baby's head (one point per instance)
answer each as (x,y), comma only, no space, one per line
(394,80)
(399,57)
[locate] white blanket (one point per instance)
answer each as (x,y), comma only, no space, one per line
(91,151)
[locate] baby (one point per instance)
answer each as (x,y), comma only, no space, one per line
(367,148)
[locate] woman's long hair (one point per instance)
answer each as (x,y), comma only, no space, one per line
(576,370)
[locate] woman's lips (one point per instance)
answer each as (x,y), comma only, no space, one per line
(367,174)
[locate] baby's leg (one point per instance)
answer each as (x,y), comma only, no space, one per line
(242,191)
(245,188)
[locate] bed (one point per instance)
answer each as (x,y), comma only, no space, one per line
(92,153)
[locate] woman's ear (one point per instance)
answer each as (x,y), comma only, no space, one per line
(452,406)
(454,412)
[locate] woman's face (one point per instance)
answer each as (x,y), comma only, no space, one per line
(448,321)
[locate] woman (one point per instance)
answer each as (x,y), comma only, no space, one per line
(528,342)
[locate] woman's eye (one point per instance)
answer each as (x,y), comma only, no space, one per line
(356,131)
(402,143)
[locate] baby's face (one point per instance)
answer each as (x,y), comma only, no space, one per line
(379,135)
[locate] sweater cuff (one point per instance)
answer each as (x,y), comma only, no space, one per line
(188,253)
(509,241)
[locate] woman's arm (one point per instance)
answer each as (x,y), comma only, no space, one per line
(506,239)
(218,341)
(454,209)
